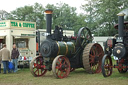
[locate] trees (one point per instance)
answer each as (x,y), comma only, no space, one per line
(102,15)
(63,15)
(30,13)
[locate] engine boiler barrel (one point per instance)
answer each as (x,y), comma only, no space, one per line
(48,20)
(120,24)
(65,48)
(51,48)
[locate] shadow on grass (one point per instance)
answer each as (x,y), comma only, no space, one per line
(79,71)
(117,75)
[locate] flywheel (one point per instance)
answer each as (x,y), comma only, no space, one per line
(84,36)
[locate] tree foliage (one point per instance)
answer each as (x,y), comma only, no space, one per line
(102,15)
(66,16)
(33,13)
(63,15)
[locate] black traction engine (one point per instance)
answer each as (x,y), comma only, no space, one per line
(116,47)
(63,54)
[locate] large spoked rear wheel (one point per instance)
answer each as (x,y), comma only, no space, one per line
(61,67)
(92,57)
(106,65)
(36,66)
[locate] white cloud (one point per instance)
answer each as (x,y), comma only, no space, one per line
(9,5)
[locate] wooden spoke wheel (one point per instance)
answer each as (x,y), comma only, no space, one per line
(84,37)
(36,67)
(124,70)
(92,57)
(61,67)
(106,65)
(120,64)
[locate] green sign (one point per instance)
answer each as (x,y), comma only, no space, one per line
(22,24)
(2,24)
(27,35)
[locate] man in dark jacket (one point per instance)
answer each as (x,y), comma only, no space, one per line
(0,62)
(14,56)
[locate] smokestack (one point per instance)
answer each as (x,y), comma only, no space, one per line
(120,24)
(48,21)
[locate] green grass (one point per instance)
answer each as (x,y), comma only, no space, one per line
(77,77)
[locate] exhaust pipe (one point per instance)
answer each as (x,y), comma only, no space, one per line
(120,24)
(48,22)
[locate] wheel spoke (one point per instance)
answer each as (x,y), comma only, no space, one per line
(35,64)
(93,51)
(92,55)
(64,63)
(36,71)
(60,61)
(57,67)
(99,54)
(61,73)
(83,34)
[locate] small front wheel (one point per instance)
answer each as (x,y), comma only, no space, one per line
(106,65)
(36,66)
(61,67)
(120,64)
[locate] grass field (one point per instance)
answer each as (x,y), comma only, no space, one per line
(78,77)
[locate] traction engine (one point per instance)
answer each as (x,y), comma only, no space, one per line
(118,48)
(63,54)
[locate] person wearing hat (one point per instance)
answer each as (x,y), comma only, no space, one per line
(5,55)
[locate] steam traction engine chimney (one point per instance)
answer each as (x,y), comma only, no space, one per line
(120,24)
(48,21)
(119,50)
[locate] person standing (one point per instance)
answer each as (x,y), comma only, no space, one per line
(5,54)
(14,57)
(0,63)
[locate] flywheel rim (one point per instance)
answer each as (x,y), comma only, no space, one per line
(84,36)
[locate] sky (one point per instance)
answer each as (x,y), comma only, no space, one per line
(10,5)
